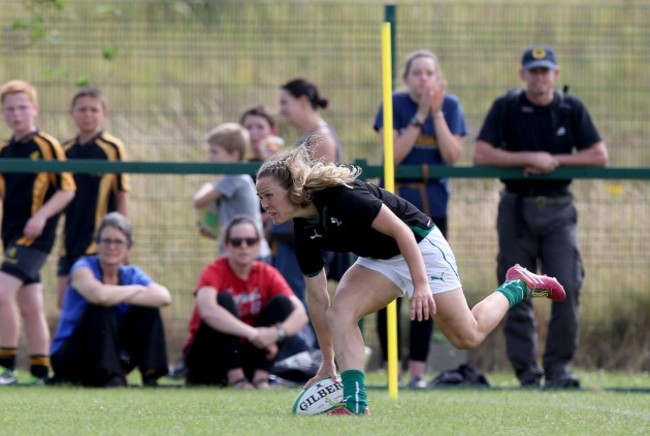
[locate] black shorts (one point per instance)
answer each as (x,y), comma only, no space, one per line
(24,263)
(64,265)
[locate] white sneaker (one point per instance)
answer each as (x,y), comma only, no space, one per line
(7,377)
(417,383)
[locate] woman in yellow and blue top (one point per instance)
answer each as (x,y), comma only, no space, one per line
(428,125)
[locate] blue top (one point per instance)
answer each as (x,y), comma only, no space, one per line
(74,304)
(425,150)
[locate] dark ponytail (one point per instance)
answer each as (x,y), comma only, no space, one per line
(299,87)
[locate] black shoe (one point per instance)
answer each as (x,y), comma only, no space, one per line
(177,372)
(116,381)
(565,382)
(530,378)
(561,378)
(150,381)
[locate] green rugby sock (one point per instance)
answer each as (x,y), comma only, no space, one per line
(354,391)
(514,290)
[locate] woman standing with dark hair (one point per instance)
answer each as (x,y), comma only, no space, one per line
(300,102)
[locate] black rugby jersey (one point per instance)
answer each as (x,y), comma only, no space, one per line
(515,124)
(96,193)
(344,224)
(23,194)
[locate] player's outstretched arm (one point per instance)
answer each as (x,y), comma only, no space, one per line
(319,302)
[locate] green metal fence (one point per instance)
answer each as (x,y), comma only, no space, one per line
(174,69)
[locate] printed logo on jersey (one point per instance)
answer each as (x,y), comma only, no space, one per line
(561,131)
(247,303)
(440,278)
(336,222)
(315,235)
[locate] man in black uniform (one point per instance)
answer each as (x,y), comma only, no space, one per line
(539,129)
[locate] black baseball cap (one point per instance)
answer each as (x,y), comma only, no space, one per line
(541,56)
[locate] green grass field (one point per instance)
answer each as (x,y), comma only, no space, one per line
(604,406)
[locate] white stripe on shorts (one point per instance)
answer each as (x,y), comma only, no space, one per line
(439,262)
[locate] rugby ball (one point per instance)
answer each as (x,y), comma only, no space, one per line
(320,397)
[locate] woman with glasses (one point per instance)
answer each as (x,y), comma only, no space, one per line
(110,318)
(245,313)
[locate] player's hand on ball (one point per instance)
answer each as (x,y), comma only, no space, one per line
(327,369)
(320,397)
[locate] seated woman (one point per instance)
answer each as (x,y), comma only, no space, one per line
(245,315)
(110,319)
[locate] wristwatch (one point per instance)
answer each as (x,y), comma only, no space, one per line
(415,121)
(281,333)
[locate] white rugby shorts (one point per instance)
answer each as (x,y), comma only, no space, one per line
(439,262)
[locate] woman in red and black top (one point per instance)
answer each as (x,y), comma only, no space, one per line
(244,312)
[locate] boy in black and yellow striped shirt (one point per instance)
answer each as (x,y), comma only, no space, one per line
(31,203)
(97,194)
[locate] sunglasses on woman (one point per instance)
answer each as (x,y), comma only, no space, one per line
(237,242)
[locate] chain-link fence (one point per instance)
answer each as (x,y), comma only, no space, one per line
(174,69)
